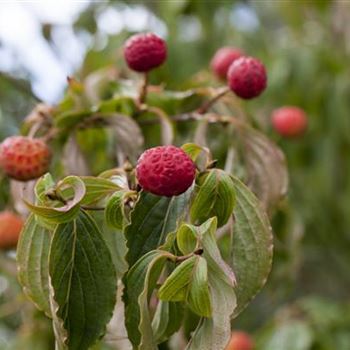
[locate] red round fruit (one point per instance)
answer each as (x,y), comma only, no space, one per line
(24,158)
(146,51)
(10,229)
(240,341)
(247,77)
(165,171)
(222,60)
(289,121)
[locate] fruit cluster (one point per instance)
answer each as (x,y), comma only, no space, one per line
(163,171)
(166,171)
(24,158)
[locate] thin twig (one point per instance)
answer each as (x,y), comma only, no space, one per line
(206,106)
(86,207)
(185,257)
(143,90)
(50,135)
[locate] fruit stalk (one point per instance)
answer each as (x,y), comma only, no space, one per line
(206,106)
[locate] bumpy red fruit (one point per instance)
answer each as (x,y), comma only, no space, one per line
(240,341)
(24,158)
(10,228)
(223,59)
(143,52)
(289,121)
(165,171)
(247,77)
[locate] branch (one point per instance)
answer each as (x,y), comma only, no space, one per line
(185,257)
(206,106)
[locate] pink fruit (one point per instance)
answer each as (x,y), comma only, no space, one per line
(165,171)
(289,121)
(222,60)
(247,77)
(10,229)
(146,51)
(24,158)
(240,341)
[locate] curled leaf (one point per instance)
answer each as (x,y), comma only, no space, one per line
(175,286)
(33,263)
(167,320)
(97,188)
(199,298)
(58,213)
(214,332)
(115,209)
(139,284)
(215,197)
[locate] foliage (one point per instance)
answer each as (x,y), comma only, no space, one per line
(163,251)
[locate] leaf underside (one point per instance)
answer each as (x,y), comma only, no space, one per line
(252,245)
(83,279)
(33,263)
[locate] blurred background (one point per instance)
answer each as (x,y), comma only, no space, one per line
(305,45)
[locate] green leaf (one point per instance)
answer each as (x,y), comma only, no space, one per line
(192,150)
(70,119)
(205,235)
(70,209)
(199,154)
(151,220)
(97,188)
(175,102)
(217,266)
(95,144)
(199,296)
(139,284)
(120,104)
(252,246)
(186,238)
(43,185)
(214,332)
(33,263)
(189,280)
(175,286)
(115,209)
(115,241)
(215,197)
(167,320)
(83,280)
